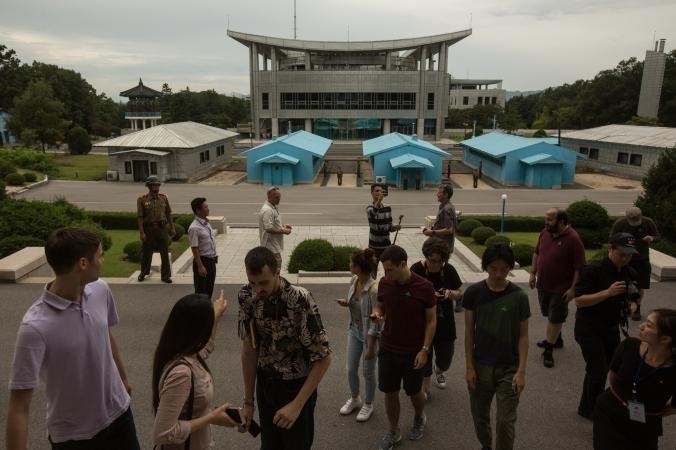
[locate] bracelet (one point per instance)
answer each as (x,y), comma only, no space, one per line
(426,348)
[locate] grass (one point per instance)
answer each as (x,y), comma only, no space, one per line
(81,167)
(115,264)
(529,238)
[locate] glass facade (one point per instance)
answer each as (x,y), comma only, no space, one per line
(347,100)
(348,129)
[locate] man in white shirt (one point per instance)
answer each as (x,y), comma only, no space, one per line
(203,246)
(270,227)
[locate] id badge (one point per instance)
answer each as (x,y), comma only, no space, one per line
(636,411)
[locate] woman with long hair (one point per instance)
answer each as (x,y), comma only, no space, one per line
(182,383)
(362,333)
(642,387)
(437,270)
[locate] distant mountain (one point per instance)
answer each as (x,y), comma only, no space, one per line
(511,94)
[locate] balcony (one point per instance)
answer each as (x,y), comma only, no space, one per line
(140,115)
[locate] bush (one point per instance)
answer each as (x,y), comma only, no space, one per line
(3,193)
(665,246)
(593,238)
(540,133)
(180,231)
(11,244)
(523,254)
(312,255)
(600,253)
(466,226)
(106,240)
(341,257)
(482,233)
(30,177)
(512,223)
(14,179)
(6,167)
(78,141)
(114,220)
(658,200)
(133,250)
(497,239)
(184,220)
(587,214)
(28,159)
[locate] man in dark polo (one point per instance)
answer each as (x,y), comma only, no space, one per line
(154,218)
(447,220)
(203,246)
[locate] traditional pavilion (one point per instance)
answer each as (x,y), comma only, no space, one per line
(142,106)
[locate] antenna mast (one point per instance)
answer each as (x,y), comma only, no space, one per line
(294,19)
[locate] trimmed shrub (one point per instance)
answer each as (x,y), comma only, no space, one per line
(593,238)
(497,239)
(114,220)
(341,257)
(180,231)
(184,220)
(106,240)
(540,133)
(512,223)
(587,214)
(6,167)
(78,141)
(482,233)
(312,255)
(12,244)
(30,177)
(133,250)
(600,253)
(466,226)
(14,179)
(523,254)
(665,246)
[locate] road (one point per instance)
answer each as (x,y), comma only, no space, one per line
(314,205)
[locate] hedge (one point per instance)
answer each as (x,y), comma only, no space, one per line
(512,223)
(14,179)
(180,231)
(184,220)
(312,255)
(30,177)
(497,239)
(466,226)
(523,254)
(482,233)
(116,220)
(3,193)
(29,159)
(11,244)
(6,167)
(341,257)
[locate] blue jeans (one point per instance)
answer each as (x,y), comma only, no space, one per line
(356,347)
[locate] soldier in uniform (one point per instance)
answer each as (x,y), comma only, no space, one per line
(154,214)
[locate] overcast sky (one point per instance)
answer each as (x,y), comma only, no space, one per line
(530,44)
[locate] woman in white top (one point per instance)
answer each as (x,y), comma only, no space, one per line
(362,333)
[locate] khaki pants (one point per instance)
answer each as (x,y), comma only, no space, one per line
(278,257)
(490,382)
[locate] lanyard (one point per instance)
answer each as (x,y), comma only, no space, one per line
(638,380)
(207,227)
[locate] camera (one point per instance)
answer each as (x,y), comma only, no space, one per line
(633,293)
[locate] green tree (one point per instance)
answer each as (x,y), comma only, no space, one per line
(10,68)
(78,141)
(658,200)
(38,111)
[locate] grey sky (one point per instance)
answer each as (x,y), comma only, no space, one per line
(530,44)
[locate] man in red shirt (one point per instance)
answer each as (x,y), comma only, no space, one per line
(408,304)
(557,260)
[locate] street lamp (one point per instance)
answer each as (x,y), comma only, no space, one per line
(502,218)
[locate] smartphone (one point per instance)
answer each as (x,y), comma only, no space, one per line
(254,428)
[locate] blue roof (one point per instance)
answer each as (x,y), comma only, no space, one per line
(540,158)
(394,140)
(312,143)
(499,144)
(278,158)
(410,161)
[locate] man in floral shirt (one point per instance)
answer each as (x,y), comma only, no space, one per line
(284,350)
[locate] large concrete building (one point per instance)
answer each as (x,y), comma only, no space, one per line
(349,90)
(467,93)
(627,150)
(651,82)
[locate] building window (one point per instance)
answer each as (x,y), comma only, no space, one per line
(593,153)
(201,157)
(465,100)
(494,100)
(153,168)
(480,101)
(266,101)
(636,159)
(206,155)
(430,100)
(348,100)
(622,158)
(220,150)
(584,151)
(127,167)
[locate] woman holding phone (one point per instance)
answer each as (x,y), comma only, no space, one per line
(436,269)
(362,333)
(182,383)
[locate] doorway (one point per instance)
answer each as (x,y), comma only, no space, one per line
(140,169)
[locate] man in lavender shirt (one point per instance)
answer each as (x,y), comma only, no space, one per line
(64,342)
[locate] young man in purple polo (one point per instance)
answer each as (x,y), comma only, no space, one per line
(64,343)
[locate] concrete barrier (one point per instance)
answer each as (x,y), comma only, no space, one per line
(21,263)
(663,266)
(218,223)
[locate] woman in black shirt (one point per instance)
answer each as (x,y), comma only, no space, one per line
(642,379)
(443,276)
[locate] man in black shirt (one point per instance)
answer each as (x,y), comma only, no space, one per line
(602,300)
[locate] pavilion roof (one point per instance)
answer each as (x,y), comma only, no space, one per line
(140,90)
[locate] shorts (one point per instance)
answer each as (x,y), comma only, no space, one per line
(395,367)
(553,306)
(643,269)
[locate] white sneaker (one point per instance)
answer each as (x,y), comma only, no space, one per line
(351,405)
(365,412)
(440,379)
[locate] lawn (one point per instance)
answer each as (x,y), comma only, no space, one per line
(81,167)
(529,238)
(115,264)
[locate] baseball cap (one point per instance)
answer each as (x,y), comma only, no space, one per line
(633,216)
(624,242)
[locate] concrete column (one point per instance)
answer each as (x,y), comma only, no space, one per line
(275,127)
(143,121)
(254,92)
(274,94)
(422,93)
(441,97)
(388,61)
(308,61)
(308,125)
(386,126)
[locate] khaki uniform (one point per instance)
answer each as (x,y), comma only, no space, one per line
(155,212)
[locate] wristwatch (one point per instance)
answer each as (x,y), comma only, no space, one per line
(426,348)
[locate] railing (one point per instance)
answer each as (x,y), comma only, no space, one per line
(143,114)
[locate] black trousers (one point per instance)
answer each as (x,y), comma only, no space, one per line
(273,394)
(119,435)
(613,436)
(598,345)
(443,344)
(156,239)
(204,285)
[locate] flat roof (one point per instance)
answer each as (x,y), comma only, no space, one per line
(472,81)
(349,46)
(663,137)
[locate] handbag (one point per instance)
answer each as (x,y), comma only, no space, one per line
(186,412)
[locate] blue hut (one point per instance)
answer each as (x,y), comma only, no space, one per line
(400,159)
(516,160)
(292,158)
(6,136)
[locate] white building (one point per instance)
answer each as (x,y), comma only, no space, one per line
(467,93)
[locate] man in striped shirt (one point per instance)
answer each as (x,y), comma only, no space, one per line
(380,222)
